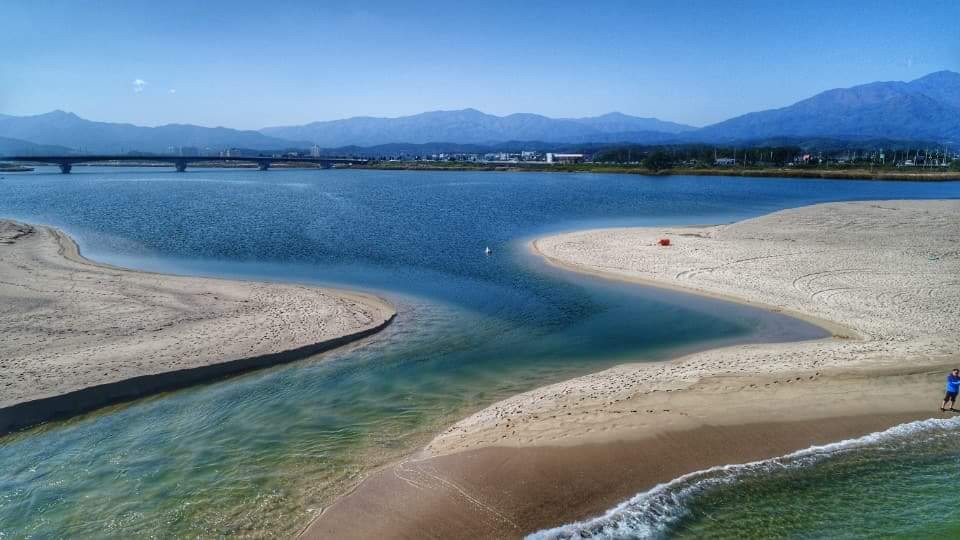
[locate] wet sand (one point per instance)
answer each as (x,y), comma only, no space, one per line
(883,277)
(497,492)
(78,335)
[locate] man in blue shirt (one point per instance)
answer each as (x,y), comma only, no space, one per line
(953,386)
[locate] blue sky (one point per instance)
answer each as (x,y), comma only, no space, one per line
(255,64)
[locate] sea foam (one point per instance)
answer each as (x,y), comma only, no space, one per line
(651,513)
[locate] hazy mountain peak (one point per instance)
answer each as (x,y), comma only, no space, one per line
(942,86)
(59,113)
(614,114)
(941,77)
(927,108)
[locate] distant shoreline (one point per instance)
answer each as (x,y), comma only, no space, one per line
(777,172)
(194,164)
(912,175)
(5,168)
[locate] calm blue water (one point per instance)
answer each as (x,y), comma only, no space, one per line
(262,452)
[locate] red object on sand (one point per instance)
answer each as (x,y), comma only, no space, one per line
(664,242)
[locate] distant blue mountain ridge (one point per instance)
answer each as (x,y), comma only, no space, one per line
(470,126)
(925,109)
(69,130)
(16,147)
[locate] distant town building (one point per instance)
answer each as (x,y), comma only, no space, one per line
(725,161)
(564,158)
(315,151)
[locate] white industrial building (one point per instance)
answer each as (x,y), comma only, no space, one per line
(564,158)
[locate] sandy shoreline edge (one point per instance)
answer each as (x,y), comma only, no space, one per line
(504,492)
(497,473)
(30,413)
(834,328)
(193,339)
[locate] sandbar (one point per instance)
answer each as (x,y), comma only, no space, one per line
(78,335)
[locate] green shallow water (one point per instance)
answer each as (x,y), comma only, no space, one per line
(899,489)
(260,454)
(899,483)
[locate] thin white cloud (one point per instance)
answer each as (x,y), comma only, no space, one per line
(173,90)
(139,85)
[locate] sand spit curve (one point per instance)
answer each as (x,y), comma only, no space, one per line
(882,276)
(78,335)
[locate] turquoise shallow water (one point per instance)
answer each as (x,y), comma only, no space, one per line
(259,454)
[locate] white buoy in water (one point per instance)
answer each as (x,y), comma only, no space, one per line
(487,251)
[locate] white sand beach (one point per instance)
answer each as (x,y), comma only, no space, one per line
(882,276)
(71,324)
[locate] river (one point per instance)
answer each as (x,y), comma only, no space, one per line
(260,453)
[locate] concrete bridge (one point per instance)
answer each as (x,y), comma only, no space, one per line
(66,162)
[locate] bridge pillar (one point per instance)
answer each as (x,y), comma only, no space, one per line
(181,165)
(325,164)
(263,165)
(65,167)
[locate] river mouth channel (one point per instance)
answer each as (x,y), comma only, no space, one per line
(259,454)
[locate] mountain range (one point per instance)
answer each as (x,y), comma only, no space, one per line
(69,130)
(17,147)
(470,126)
(926,109)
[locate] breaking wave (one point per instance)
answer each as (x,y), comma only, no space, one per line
(652,513)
